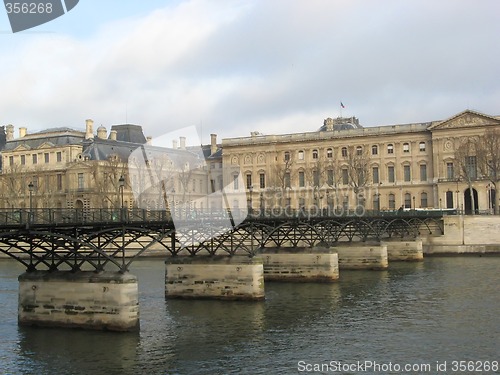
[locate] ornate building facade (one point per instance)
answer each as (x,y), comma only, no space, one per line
(345,166)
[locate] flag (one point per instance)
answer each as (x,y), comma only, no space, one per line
(342,105)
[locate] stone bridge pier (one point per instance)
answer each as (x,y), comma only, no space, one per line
(82,299)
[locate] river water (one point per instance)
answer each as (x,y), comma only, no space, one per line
(442,309)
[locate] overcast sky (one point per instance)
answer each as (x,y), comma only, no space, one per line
(231,66)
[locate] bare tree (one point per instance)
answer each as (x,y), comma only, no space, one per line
(488,159)
(465,161)
(358,170)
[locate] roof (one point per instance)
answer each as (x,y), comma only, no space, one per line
(129,133)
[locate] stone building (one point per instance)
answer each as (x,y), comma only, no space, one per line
(344,166)
(68,168)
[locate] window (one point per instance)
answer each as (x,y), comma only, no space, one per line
(406,147)
(407,173)
(374,150)
(390,149)
(329,153)
(421,146)
(287,156)
(316,178)
(375,175)
(471,166)
(249,181)
(329,176)
(449,199)
(301,179)
(262,181)
(450,172)
(59,182)
(423,172)
(344,152)
(35,158)
(376,202)
(407,200)
(81,184)
(46,157)
(212,185)
(345,176)
(23,159)
(59,156)
(235,182)
(287,180)
(359,150)
(301,155)
(392,202)
(315,154)
(390,173)
(11,160)
(423,200)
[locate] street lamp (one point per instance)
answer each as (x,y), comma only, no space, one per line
(261,204)
(121,184)
(31,187)
(414,207)
(250,199)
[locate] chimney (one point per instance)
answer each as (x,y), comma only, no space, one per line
(101,132)
(89,129)
(112,135)
(174,144)
(22,132)
(149,140)
(9,133)
(183,143)
(213,144)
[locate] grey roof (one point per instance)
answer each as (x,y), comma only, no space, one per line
(34,143)
(101,149)
(129,133)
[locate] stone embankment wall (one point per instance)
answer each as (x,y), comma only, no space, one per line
(465,234)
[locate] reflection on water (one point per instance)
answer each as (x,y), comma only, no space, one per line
(436,310)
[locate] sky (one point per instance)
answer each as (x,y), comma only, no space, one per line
(231,67)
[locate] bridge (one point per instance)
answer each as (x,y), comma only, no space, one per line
(96,239)
(77,260)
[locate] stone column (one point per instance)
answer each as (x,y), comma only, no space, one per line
(85,299)
(214,277)
(300,264)
(357,256)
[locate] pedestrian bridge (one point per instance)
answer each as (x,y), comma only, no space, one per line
(104,239)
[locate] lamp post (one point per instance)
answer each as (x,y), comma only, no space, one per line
(31,187)
(488,197)
(121,184)
(250,199)
(414,206)
(328,201)
(261,204)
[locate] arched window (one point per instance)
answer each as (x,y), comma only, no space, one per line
(344,152)
(301,155)
(359,150)
(392,201)
(374,150)
(329,153)
(407,200)
(406,147)
(390,148)
(287,155)
(421,146)
(423,200)
(315,154)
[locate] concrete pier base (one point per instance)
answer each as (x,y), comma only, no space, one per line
(404,250)
(300,264)
(217,277)
(89,300)
(362,257)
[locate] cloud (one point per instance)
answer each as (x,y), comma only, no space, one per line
(274,66)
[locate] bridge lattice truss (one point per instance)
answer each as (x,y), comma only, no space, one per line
(100,245)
